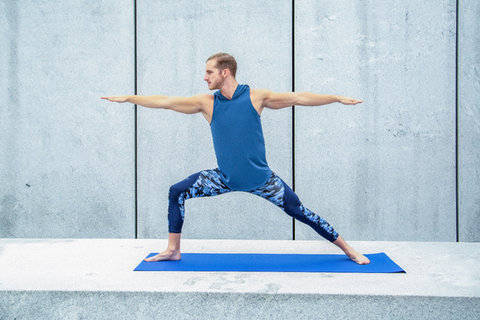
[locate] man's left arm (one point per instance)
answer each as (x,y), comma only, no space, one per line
(273,100)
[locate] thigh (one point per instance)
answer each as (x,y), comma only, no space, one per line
(272,191)
(208,183)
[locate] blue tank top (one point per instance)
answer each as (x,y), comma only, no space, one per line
(238,141)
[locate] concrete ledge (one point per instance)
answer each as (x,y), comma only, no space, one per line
(206,305)
(74,279)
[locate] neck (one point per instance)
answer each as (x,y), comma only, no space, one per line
(228,88)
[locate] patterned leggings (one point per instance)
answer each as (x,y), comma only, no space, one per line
(209,183)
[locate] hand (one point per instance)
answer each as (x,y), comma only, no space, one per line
(119,99)
(349,101)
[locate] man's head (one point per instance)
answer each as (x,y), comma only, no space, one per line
(219,67)
(224,61)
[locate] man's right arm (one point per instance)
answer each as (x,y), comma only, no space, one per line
(188,105)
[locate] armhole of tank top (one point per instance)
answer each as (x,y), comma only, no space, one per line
(213,110)
(251,105)
(254,110)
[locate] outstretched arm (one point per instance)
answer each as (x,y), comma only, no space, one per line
(315,99)
(188,105)
(273,100)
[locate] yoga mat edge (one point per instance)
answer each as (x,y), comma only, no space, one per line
(246,262)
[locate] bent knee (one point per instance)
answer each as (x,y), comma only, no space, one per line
(175,191)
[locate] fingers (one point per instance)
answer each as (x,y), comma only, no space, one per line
(112,99)
(351,101)
(354,101)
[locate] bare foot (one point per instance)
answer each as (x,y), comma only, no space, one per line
(350,252)
(357,257)
(167,255)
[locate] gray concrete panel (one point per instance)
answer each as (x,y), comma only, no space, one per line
(66,157)
(383,170)
(174,40)
(469,120)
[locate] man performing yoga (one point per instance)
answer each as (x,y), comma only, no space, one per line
(233,113)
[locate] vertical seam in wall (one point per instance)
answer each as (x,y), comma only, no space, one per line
(293,109)
(136,108)
(456,125)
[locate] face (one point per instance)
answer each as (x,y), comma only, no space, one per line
(213,76)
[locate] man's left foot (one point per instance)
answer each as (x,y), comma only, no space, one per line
(357,257)
(350,252)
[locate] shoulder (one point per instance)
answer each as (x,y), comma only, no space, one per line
(261,94)
(203,96)
(259,97)
(203,99)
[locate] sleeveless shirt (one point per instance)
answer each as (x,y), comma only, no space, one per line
(238,141)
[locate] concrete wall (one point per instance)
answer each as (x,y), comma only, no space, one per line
(66,159)
(386,168)
(469,120)
(174,42)
(383,170)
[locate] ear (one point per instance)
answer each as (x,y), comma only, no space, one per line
(225,73)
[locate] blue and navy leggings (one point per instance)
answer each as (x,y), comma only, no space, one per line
(209,183)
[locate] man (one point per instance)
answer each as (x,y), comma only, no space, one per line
(233,113)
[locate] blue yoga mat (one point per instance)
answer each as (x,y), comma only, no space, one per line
(241,262)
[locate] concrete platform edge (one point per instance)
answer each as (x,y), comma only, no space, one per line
(208,305)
